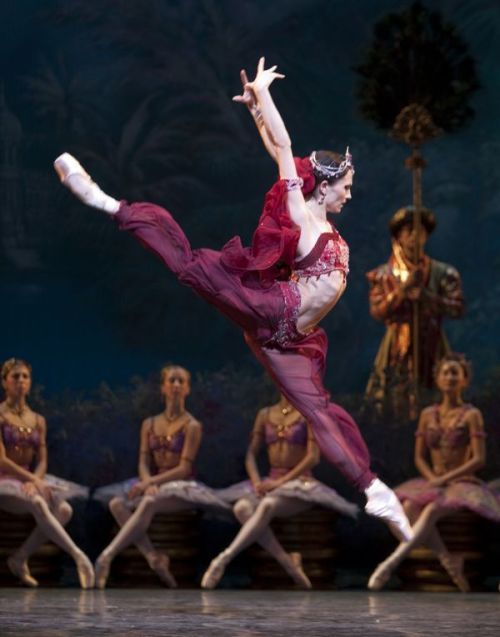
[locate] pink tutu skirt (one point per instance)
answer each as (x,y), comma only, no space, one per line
(62,489)
(191,491)
(474,495)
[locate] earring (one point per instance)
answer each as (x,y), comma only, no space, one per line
(321,200)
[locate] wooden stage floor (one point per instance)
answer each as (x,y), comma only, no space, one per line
(186,613)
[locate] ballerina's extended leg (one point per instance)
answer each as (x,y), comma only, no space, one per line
(74,177)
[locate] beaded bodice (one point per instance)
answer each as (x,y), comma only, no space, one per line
(20,437)
(456,435)
(330,253)
(293,434)
(172,443)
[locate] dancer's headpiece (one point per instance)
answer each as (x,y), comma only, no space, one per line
(333,170)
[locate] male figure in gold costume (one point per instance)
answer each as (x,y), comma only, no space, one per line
(395,287)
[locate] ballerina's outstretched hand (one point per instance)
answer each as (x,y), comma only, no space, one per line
(263,78)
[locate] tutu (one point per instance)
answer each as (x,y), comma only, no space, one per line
(474,495)
(62,489)
(188,490)
(304,488)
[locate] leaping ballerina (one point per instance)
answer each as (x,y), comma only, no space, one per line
(278,289)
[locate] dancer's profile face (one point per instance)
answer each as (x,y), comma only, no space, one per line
(17,383)
(176,384)
(339,193)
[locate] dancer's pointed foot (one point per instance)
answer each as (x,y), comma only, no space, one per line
(102,566)
(297,572)
(454,566)
(215,571)
(85,571)
(383,503)
(160,563)
(380,575)
(73,176)
(18,566)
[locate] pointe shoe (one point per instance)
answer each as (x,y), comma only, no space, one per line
(383,503)
(74,176)
(297,572)
(160,563)
(380,576)
(19,567)
(453,564)
(85,570)
(215,571)
(102,566)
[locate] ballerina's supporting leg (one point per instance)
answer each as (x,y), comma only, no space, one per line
(256,529)
(51,529)
(158,562)
(18,561)
(134,530)
(424,533)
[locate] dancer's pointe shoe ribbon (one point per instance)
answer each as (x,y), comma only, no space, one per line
(18,566)
(86,573)
(380,576)
(102,566)
(160,563)
(297,572)
(454,566)
(383,503)
(215,571)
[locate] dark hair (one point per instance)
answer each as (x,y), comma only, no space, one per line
(9,364)
(329,159)
(454,357)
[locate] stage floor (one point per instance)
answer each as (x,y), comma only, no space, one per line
(163,613)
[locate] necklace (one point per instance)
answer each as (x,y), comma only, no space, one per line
(173,418)
(458,416)
(286,410)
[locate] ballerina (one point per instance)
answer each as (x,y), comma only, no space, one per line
(278,290)
(452,434)
(25,486)
(169,445)
(290,488)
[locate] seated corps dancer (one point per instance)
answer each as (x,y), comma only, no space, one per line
(168,448)
(25,487)
(449,449)
(290,488)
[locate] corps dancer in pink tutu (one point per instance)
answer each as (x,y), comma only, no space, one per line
(25,487)
(277,290)
(449,449)
(290,488)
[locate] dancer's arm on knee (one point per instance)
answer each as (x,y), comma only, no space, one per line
(189,451)
(250,100)
(421,450)
(256,440)
(477,459)
(41,459)
(15,470)
(310,460)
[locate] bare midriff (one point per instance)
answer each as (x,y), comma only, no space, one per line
(318,295)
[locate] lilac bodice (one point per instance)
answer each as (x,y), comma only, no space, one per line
(294,434)
(173,444)
(330,253)
(456,435)
(14,436)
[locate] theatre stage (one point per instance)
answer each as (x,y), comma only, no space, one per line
(164,613)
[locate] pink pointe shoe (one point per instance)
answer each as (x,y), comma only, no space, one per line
(215,571)
(18,566)
(383,503)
